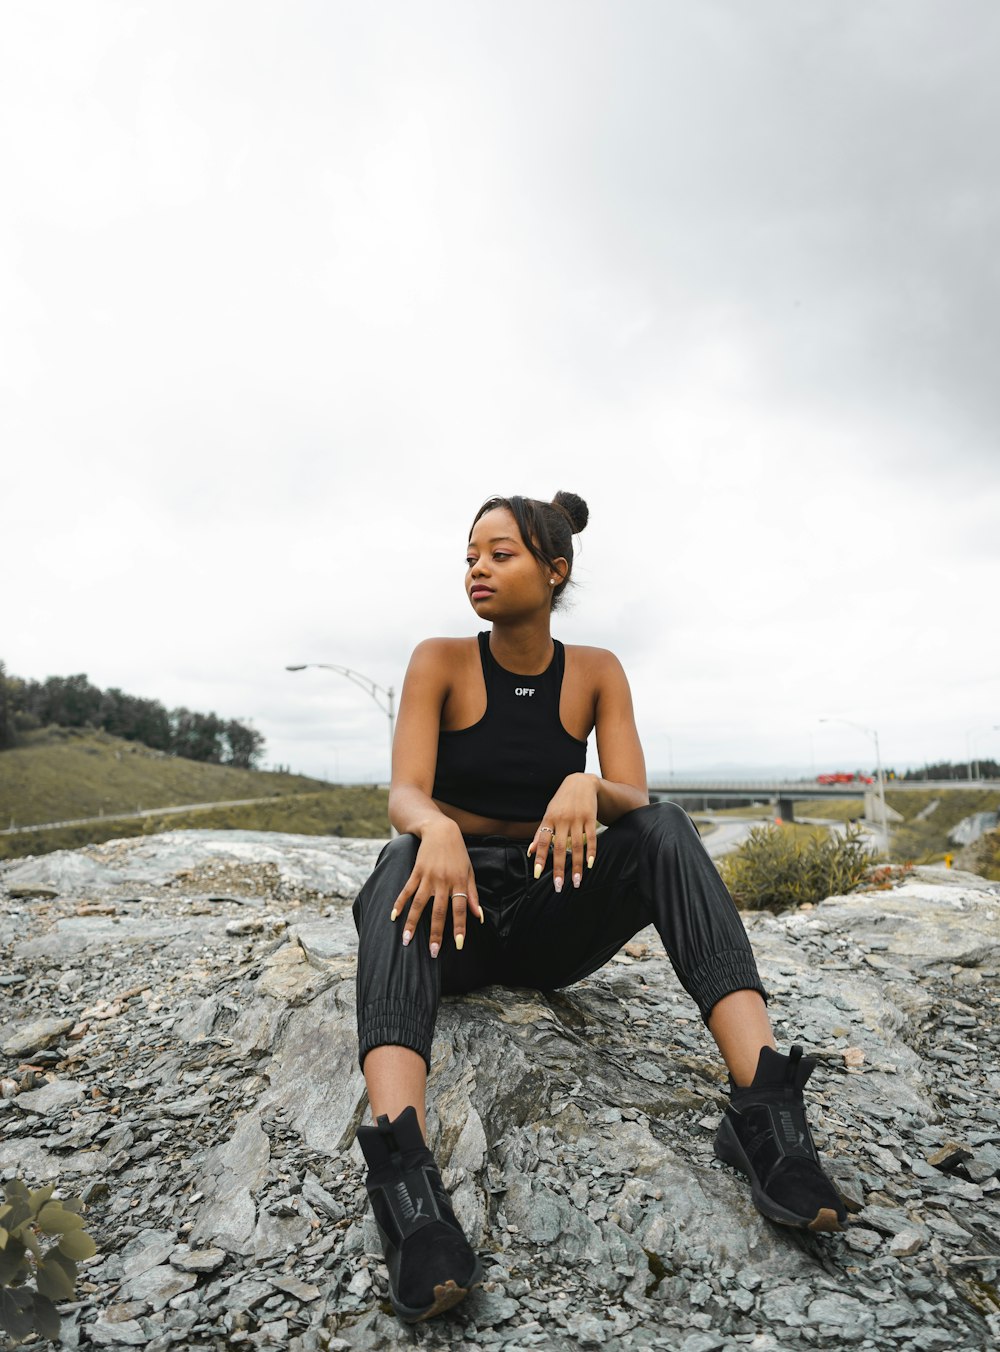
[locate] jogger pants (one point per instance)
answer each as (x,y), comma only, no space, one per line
(650,868)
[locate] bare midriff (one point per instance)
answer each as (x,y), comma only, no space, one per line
(471,824)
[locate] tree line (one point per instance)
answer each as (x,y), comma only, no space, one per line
(72,702)
(988,769)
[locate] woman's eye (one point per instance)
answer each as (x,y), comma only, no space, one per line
(499,554)
(469,563)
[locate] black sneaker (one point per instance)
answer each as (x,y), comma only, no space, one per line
(765,1135)
(431,1264)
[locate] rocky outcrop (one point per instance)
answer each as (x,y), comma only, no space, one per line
(178,1044)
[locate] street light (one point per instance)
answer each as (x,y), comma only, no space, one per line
(974,762)
(870,732)
(371,688)
(368,686)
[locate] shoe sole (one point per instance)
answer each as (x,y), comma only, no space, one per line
(446,1295)
(729,1150)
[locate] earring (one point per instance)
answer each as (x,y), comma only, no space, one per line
(552,582)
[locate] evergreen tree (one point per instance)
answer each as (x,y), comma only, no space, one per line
(72,702)
(8,736)
(245,745)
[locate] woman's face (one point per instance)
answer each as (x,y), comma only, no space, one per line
(503,578)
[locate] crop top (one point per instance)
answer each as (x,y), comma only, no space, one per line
(510,763)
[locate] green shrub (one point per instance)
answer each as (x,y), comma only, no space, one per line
(24,1217)
(777,869)
(983,856)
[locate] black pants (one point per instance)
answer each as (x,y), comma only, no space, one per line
(651,868)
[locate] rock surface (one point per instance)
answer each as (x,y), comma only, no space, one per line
(178,1046)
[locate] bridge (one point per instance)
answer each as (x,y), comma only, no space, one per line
(784,793)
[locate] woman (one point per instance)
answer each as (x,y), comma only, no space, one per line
(498,875)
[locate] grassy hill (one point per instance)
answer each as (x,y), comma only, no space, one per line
(63,773)
(922,839)
(337,811)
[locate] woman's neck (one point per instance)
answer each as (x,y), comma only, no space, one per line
(525,647)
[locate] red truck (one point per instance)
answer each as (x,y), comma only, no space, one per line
(840,777)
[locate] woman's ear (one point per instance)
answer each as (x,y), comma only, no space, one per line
(560,569)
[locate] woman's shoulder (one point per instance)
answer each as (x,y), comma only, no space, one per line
(593,659)
(441,651)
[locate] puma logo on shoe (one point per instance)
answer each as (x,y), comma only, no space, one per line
(795,1139)
(411,1212)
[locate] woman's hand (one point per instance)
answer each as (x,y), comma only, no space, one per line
(442,872)
(569,824)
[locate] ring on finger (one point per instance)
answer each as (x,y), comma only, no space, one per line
(460,894)
(551,829)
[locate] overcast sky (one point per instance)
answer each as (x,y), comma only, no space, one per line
(287,289)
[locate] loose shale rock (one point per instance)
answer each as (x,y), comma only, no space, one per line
(178,1039)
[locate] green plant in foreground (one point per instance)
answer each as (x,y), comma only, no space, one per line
(775,870)
(24,1217)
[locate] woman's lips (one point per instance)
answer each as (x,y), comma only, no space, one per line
(480,593)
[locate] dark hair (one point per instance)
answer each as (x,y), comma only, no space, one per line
(547,528)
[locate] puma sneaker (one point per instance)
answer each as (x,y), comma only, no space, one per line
(430,1262)
(765,1135)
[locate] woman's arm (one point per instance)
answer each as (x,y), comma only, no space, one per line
(442,870)
(622,785)
(414,748)
(582,800)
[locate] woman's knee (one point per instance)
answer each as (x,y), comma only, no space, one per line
(393,867)
(661,822)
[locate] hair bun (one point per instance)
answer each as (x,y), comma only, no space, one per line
(575,508)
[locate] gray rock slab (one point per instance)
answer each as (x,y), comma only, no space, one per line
(197,1260)
(33,1036)
(108,1333)
(158,1285)
(325,939)
(51,1097)
(293,1286)
(231,1175)
(314,1074)
(78,934)
(327,865)
(147,1250)
(64,872)
(29,1158)
(573,1128)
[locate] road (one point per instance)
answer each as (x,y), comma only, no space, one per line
(729,834)
(142,812)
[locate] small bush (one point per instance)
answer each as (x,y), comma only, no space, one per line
(776,870)
(24,1217)
(983,856)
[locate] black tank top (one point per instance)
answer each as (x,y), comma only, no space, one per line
(510,763)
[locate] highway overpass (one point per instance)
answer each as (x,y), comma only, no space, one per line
(785,793)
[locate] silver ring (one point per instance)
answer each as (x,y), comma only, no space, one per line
(551,829)
(460,894)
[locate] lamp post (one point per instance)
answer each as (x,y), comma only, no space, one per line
(371,688)
(870,732)
(972,759)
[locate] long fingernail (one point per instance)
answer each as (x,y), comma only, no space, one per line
(538,870)
(576,879)
(459,941)
(434,950)
(407,936)
(393,913)
(557,884)
(482,917)
(590,861)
